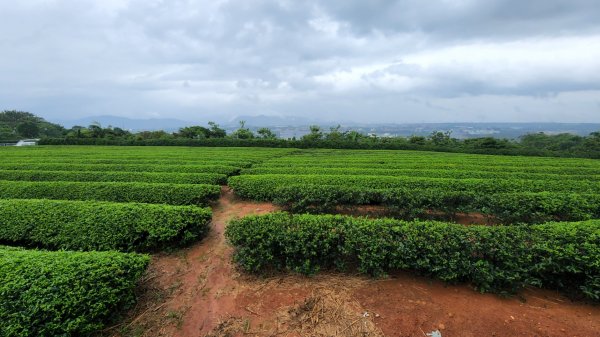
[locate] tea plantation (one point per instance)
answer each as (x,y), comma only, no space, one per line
(78,223)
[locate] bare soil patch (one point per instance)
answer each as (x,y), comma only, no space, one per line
(198,292)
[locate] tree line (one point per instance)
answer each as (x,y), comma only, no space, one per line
(17,124)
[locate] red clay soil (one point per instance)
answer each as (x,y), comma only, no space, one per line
(198,292)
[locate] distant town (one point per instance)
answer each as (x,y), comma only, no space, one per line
(288,128)
(458,130)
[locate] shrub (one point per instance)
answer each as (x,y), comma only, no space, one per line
(173,194)
(262,187)
(54,166)
(408,203)
(64,293)
(109,176)
(91,225)
(495,259)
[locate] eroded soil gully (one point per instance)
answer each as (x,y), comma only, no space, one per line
(198,292)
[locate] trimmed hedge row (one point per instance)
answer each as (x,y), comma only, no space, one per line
(89,225)
(533,166)
(173,194)
(64,293)
(99,159)
(400,160)
(263,187)
(222,169)
(368,144)
(150,177)
(494,259)
(528,207)
(429,173)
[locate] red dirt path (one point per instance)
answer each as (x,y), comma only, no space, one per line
(198,292)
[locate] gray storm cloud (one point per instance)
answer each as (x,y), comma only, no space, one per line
(377,61)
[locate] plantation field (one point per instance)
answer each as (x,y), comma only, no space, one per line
(88,216)
(511,189)
(93,212)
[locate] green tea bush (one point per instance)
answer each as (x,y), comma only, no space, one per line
(493,259)
(64,293)
(150,177)
(407,203)
(262,187)
(173,194)
(540,207)
(463,172)
(323,198)
(50,166)
(91,225)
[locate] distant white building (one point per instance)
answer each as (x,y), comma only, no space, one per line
(27,142)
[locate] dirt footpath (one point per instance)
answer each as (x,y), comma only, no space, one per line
(198,292)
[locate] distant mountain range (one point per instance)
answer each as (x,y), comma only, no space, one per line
(171,124)
(476,130)
(270,121)
(167,124)
(287,127)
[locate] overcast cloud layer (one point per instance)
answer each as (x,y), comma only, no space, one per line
(346,60)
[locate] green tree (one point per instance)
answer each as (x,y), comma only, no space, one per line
(440,138)
(315,134)
(334,134)
(28,129)
(266,133)
(25,121)
(216,131)
(354,136)
(419,140)
(96,130)
(592,142)
(487,143)
(559,142)
(12,118)
(159,134)
(193,132)
(6,133)
(76,131)
(242,132)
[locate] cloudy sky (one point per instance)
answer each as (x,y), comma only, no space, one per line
(336,60)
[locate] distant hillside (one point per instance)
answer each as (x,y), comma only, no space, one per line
(15,125)
(458,130)
(274,121)
(167,124)
(476,130)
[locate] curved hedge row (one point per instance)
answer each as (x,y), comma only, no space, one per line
(370,156)
(94,160)
(263,187)
(428,173)
(88,225)
(450,166)
(398,161)
(64,293)
(174,194)
(528,207)
(150,177)
(495,259)
(154,152)
(222,169)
